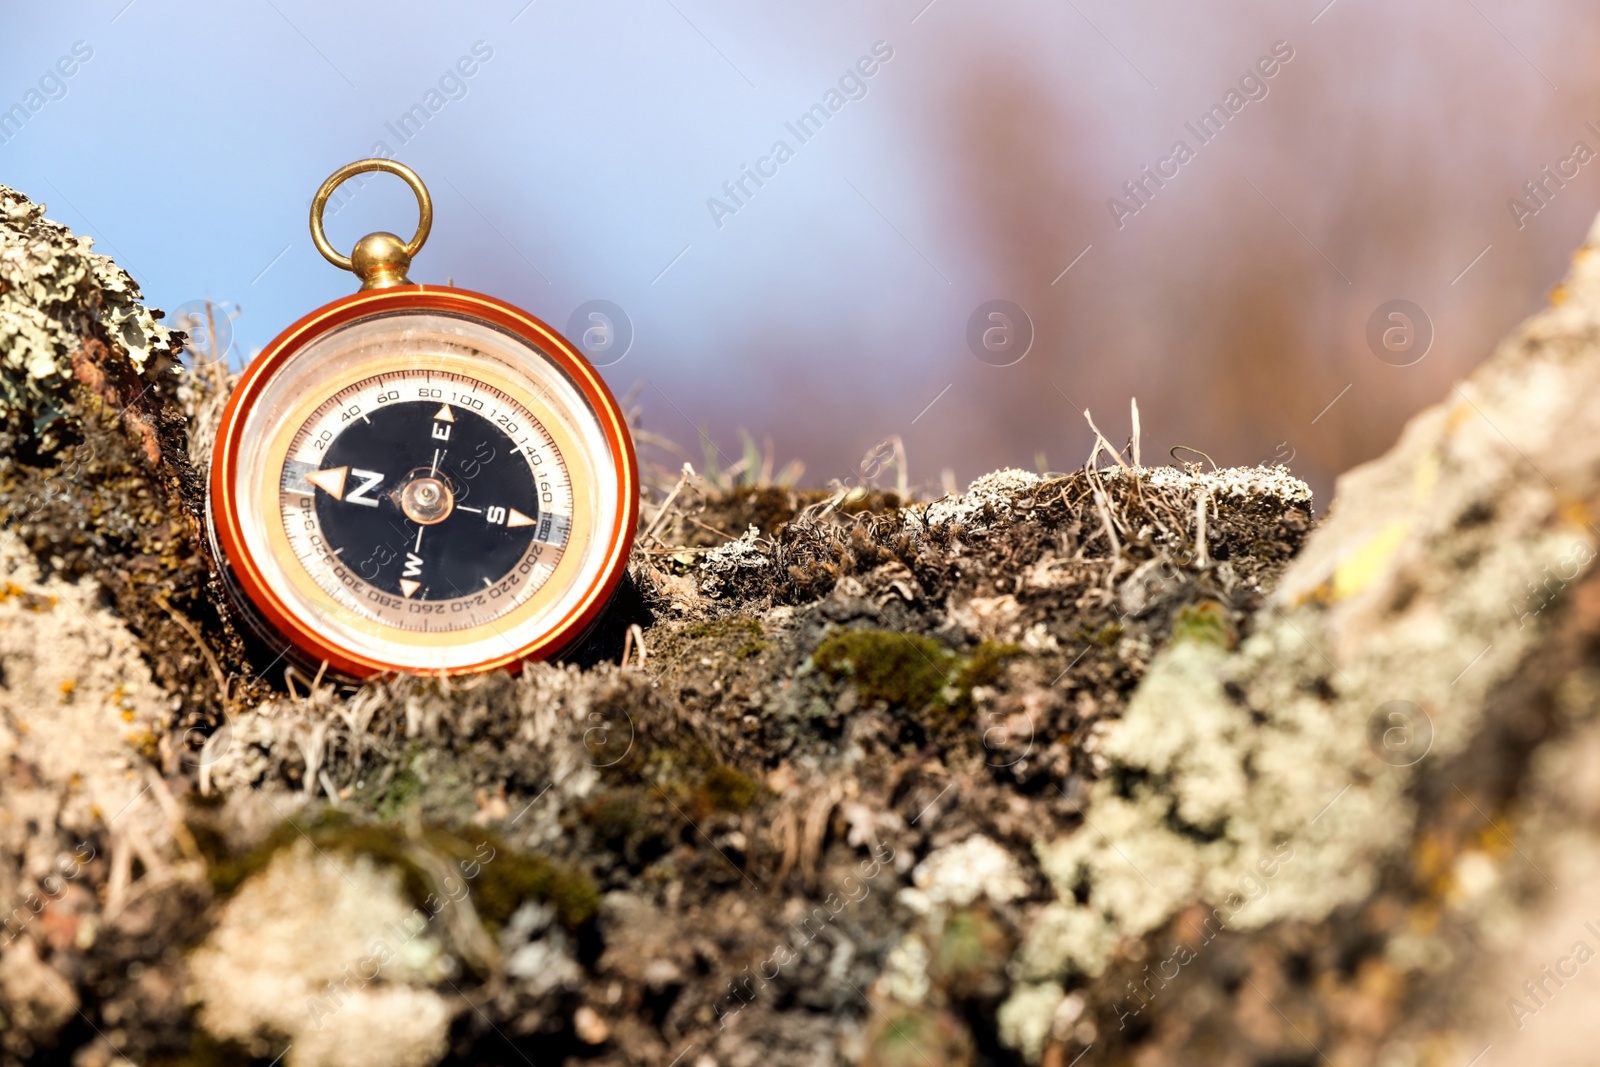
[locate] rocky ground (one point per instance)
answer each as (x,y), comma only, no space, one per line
(1128,765)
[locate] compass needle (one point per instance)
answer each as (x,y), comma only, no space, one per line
(330,481)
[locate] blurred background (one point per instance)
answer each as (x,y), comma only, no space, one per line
(601,151)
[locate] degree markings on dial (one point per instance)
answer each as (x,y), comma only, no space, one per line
(302,476)
(303,444)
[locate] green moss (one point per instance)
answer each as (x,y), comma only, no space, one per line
(632,821)
(728,789)
(670,766)
(903,1036)
(714,628)
(971,955)
(1105,636)
(227,871)
(336,832)
(703,793)
(403,788)
(617,814)
(510,878)
(985,666)
(207,1051)
(902,670)
(1206,623)
(913,672)
(498,884)
(742,635)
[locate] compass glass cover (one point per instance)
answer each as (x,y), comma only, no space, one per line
(426,489)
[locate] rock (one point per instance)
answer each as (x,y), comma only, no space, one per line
(590,1028)
(327,953)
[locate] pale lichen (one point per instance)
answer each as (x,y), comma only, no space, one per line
(55,292)
(1272,783)
(990,497)
(1249,482)
(326,951)
(723,568)
(1027,1017)
(905,971)
(78,708)
(959,874)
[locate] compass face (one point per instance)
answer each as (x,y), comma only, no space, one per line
(422,490)
(454,516)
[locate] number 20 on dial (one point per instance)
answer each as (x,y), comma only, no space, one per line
(419,478)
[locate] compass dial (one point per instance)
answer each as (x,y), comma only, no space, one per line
(440,512)
(422,488)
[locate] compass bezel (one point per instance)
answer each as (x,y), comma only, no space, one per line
(225,510)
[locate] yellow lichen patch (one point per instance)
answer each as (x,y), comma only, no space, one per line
(1367,563)
(1427,476)
(1431,857)
(146,743)
(30,601)
(1423,918)
(1574,512)
(1321,593)
(1495,838)
(1380,980)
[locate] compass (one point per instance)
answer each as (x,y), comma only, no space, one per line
(419,478)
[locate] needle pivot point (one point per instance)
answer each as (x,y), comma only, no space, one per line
(427,501)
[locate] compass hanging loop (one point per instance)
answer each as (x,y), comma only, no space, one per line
(379,259)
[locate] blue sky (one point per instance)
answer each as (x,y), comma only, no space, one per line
(575,162)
